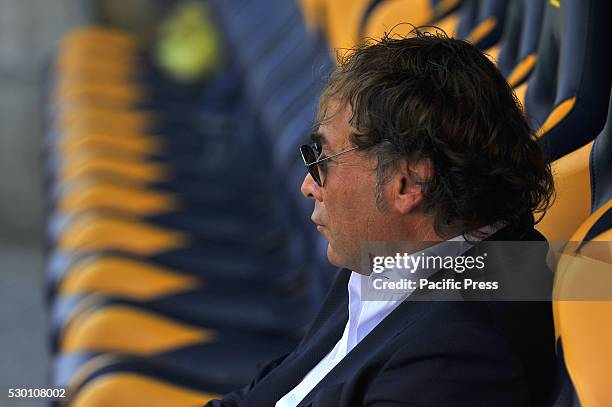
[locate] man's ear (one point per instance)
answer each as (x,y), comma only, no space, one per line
(408,185)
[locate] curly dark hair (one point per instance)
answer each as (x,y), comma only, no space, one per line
(428,96)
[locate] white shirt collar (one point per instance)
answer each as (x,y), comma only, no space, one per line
(365,313)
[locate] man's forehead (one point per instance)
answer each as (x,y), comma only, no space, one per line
(335,129)
(333,108)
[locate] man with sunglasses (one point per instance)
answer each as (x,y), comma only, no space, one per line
(419,140)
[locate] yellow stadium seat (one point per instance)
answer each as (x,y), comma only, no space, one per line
(136,146)
(343,19)
(68,94)
(573,195)
(582,296)
(567,93)
(446,16)
(129,390)
(105,118)
(519,43)
(488,23)
(103,195)
(124,277)
(314,13)
(582,308)
(100,167)
(398,17)
(100,36)
(100,233)
(125,329)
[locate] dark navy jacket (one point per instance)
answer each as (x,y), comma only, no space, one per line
(425,353)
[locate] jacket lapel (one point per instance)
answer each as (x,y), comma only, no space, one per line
(395,323)
(317,343)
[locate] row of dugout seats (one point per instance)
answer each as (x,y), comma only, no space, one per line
(180,251)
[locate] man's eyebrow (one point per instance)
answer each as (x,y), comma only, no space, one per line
(319,138)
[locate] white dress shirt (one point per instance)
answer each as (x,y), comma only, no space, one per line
(364,316)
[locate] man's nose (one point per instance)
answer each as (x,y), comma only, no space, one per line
(310,189)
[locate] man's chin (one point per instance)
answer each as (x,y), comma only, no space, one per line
(332,256)
(337,259)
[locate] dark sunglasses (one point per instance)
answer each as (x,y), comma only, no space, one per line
(310,155)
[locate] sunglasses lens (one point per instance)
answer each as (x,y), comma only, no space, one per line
(309,156)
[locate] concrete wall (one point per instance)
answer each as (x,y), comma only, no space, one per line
(29,32)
